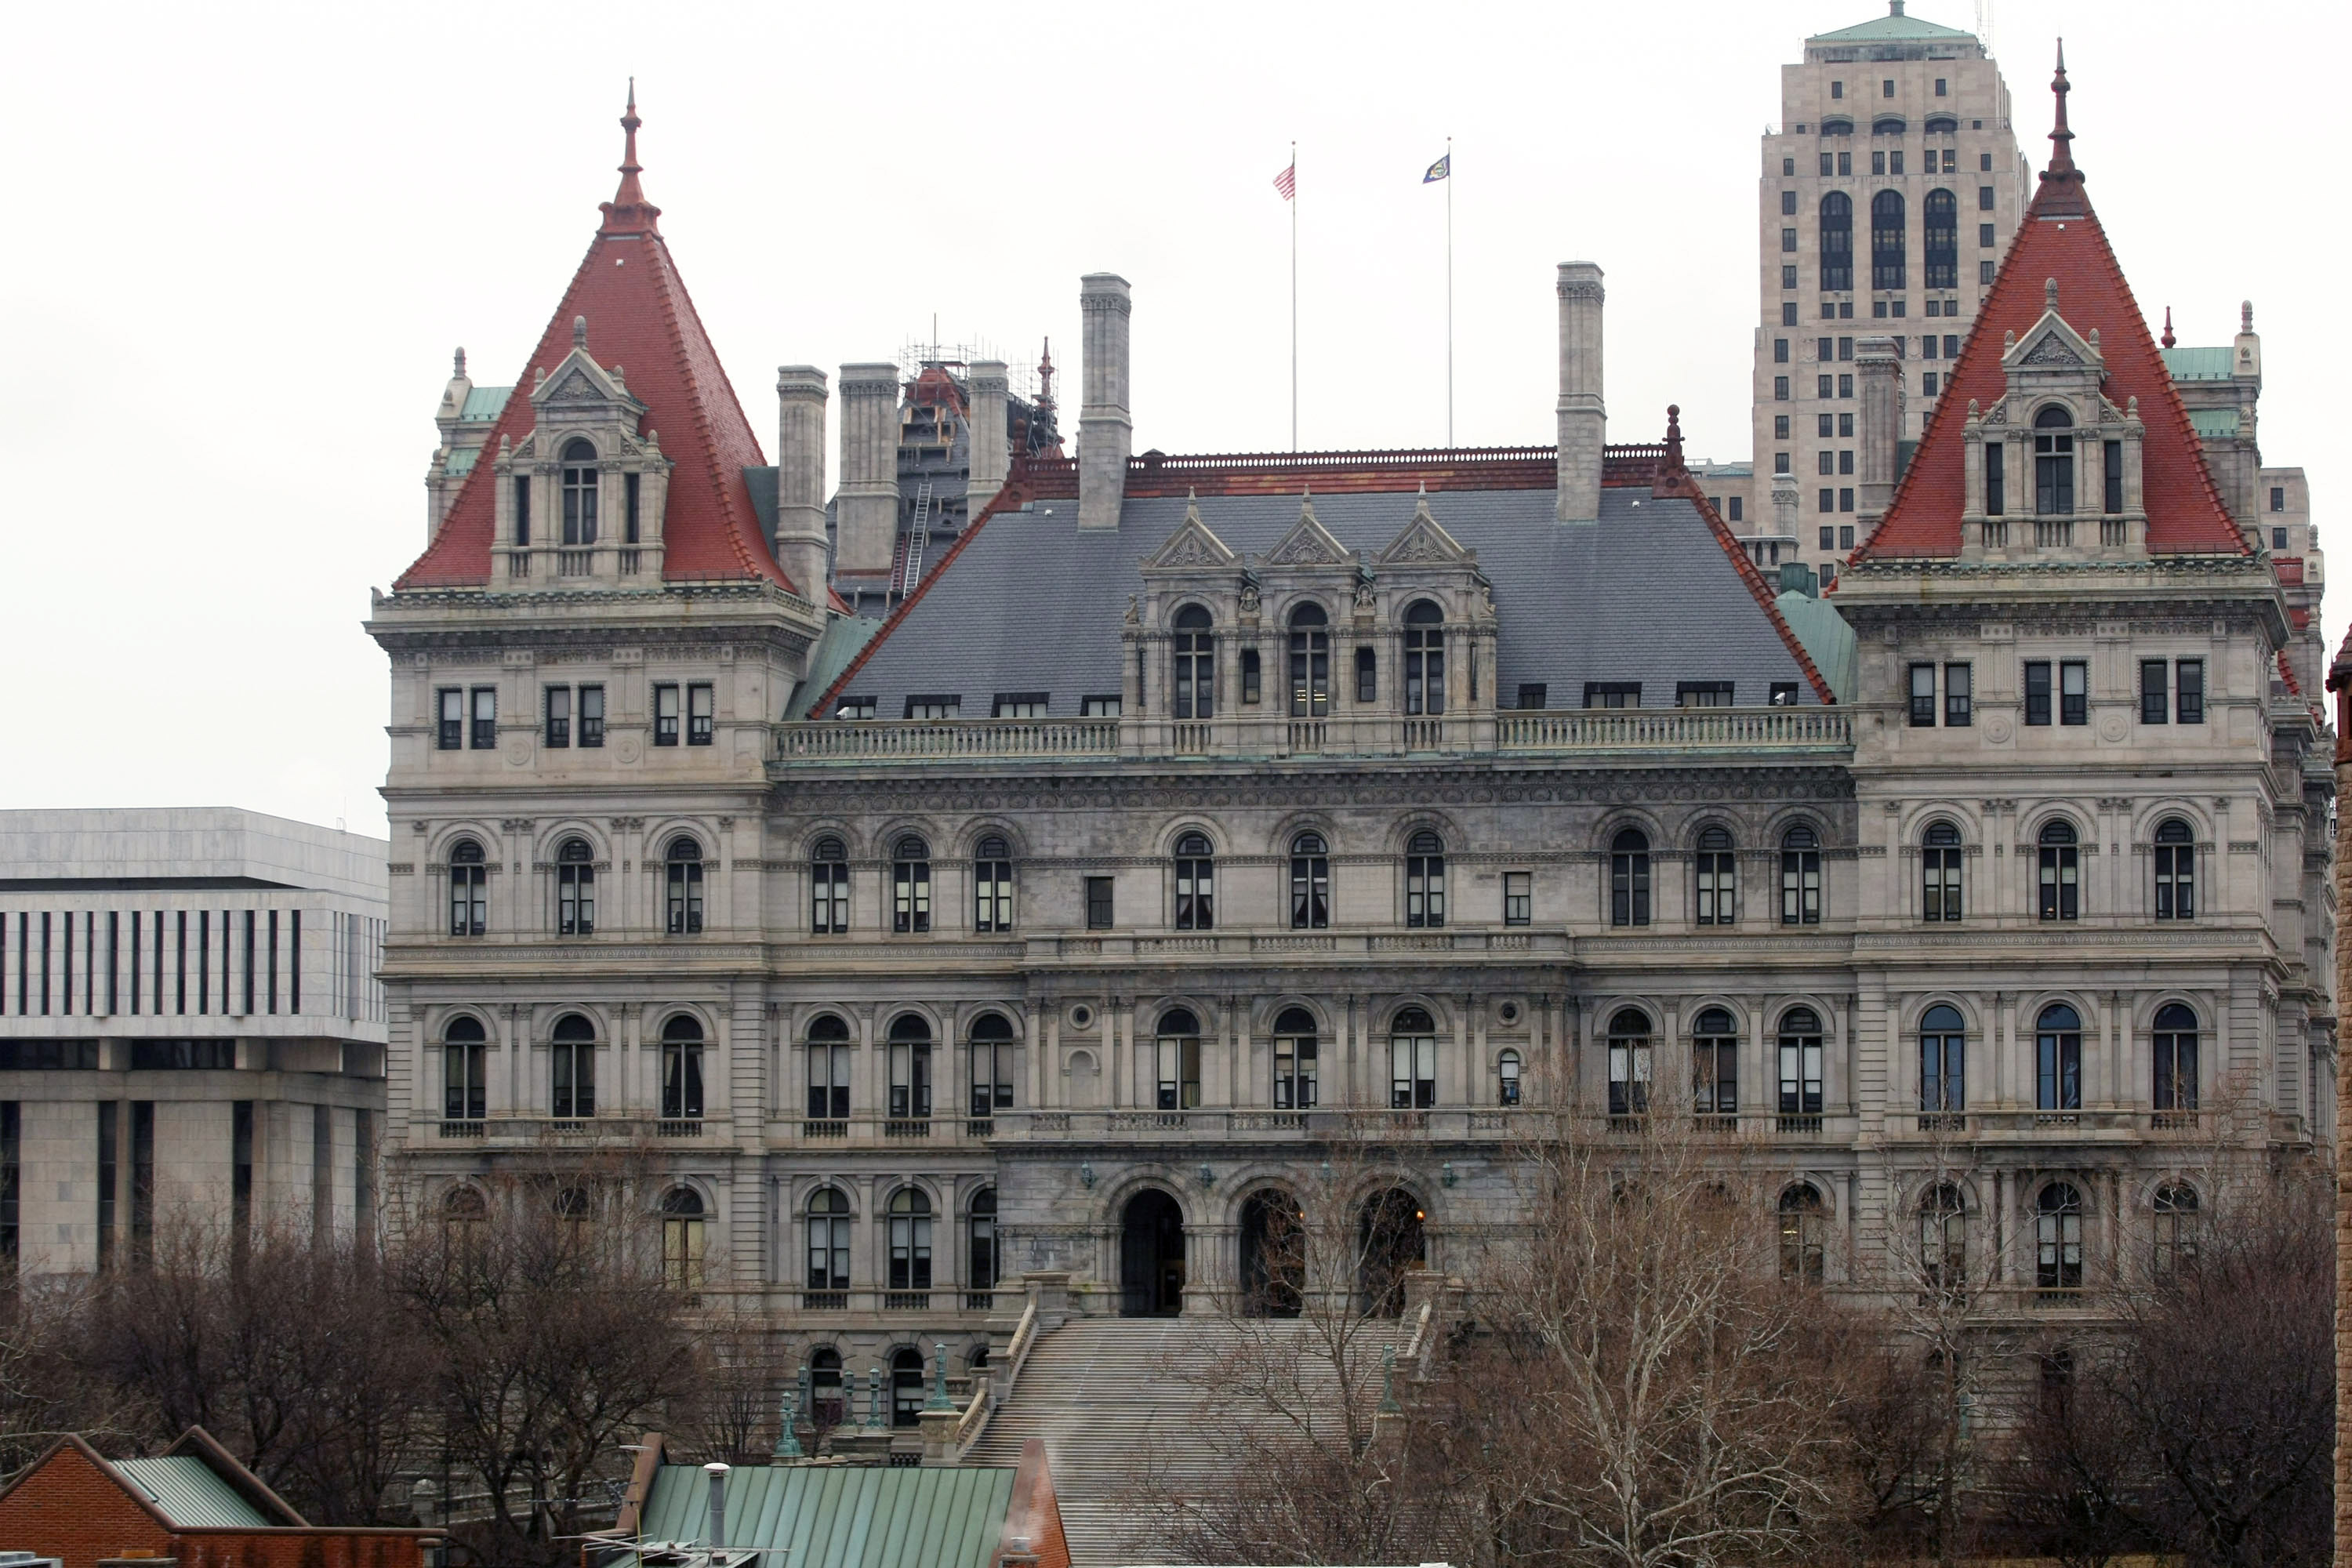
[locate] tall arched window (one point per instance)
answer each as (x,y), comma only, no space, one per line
(1629,878)
(1310,883)
(2176,870)
(1196,883)
(2176,1228)
(1943,1065)
(828,1401)
(1507,1079)
(1718,878)
(1800,1062)
(682,1239)
(1940,217)
(992,1065)
(2058,1059)
(828,1242)
(1944,1240)
(2058,1238)
(1425,658)
(572,1069)
(1939,872)
(683,862)
(992,885)
(1178,1050)
(910,1070)
(910,885)
(681,1070)
(1310,663)
(1424,881)
(462,1083)
(1297,1064)
(1629,1062)
(465,1221)
(980,1250)
(1412,1060)
(828,888)
(2061,873)
(1801,877)
(575,888)
(578,492)
(1714,1063)
(1886,240)
(470,897)
(1803,1229)
(2053,462)
(828,1072)
(910,1240)
(906,1388)
(1837,242)
(1193,685)
(2175,1061)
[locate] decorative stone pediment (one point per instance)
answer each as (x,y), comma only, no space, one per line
(1308,543)
(2050,345)
(1193,546)
(1424,541)
(581,392)
(2052,348)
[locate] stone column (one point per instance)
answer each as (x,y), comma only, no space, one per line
(992,452)
(867,521)
(1105,424)
(800,477)
(1583,416)
(1881,427)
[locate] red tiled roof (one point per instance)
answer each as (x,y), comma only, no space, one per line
(641,318)
(2061,237)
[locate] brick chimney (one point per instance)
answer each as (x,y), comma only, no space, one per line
(800,477)
(991,438)
(867,526)
(1105,425)
(1583,418)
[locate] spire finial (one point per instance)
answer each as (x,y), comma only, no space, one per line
(2062,155)
(1674,435)
(628,212)
(579,332)
(2167,340)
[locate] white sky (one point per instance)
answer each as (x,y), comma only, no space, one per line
(248,236)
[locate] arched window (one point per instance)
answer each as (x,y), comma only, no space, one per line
(1193,686)
(1939,872)
(910,885)
(1940,216)
(683,862)
(1178,1050)
(1718,878)
(828,1401)
(1310,883)
(2176,1228)
(2176,870)
(992,885)
(2061,873)
(1801,877)
(1424,881)
(910,1070)
(1629,878)
(828,1242)
(574,1210)
(981,1262)
(2176,1065)
(907,1395)
(1944,1240)
(2058,1238)
(1297,1067)
(1715,1064)
(1310,663)
(1800,1062)
(1507,1079)
(1837,240)
(1425,658)
(1886,240)
(910,1240)
(828,1072)
(828,888)
(2053,461)
(1629,1062)
(682,1239)
(469,899)
(579,493)
(465,1220)
(682,1069)
(1196,883)
(1412,1060)
(572,1069)
(992,1065)
(2058,1059)
(1803,1227)
(575,888)
(1943,1065)
(462,1083)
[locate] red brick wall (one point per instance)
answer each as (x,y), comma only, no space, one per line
(71,1509)
(320,1548)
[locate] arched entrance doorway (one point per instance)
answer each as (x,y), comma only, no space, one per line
(1273,1255)
(1151,1257)
(1389,1244)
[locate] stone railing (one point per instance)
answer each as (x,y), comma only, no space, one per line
(852,741)
(1675,729)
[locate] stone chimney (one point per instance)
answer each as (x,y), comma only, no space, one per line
(1583,418)
(800,477)
(1877,430)
(1105,425)
(991,438)
(866,527)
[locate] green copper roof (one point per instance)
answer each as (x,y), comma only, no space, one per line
(2209,422)
(2197,365)
(841,1516)
(483,403)
(844,637)
(1829,641)
(1889,29)
(460,461)
(192,1494)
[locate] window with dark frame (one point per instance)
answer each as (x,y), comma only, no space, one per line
(1310,663)
(2188,702)
(1196,883)
(1193,691)
(1310,883)
(991,884)
(1996,499)
(1715,1064)
(522,510)
(1252,678)
(2058,1060)
(468,890)
(1099,903)
(1703,693)
(829,1059)
(484,734)
(591,716)
(1425,658)
(828,888)
(1099,707)
(572,1077)
(1367,682)
(1922,696)
(449,706)
(1613,694)
(1531,695)
(681,1070)
(2059,883)
(1943,1061)
(911,886)
(665,714)
(2176,870)
(990,1049)
(2154,692)
(2175,1039)
(1940,859)
(1800,1052)
(580,482)
(557,700)
(1801,877)
(1298,1064)
(1629,878)
(2053,462)
(682,865)
(1718,878)
(2073,692)
(1424,881)
(575,888)
(700,708)
(1959,687)
(1518,901)
(1629,1063)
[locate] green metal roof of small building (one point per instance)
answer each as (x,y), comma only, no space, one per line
(1829,641)
(2197,364)
(192,1495)
(842,1516)
(2208,422)
(483,403)
(1889,29)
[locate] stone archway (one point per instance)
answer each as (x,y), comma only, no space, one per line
(1273,1255)
(1390,1243)
(1151,1256)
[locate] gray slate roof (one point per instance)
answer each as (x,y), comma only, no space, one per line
(1647,594)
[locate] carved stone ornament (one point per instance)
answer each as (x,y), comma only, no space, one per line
(1308,543)
(1249,596)
(2052,350)
(577,389)
(1363,600)
(1423,540)
(1192,544)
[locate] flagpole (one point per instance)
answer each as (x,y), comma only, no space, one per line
(1449,292)
(1294,296)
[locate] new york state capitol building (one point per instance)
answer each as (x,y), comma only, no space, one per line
(1190,802)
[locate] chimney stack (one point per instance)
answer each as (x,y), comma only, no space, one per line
(1105,424)
(800,477)
(1880,428)
(866,527)
(991,438)
(1583,418)
(718,1473)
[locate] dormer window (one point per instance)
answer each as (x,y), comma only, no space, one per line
(1425,658)
(579,493)
(2053,462)
(1194,671)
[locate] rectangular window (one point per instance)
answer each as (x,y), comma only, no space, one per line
(1878,163)
(2153,694)
(1781,459)
(1099,903)
(1846,465)
(665,714)
(449,708)
(935,707)
(1787,313)
(1788,204)
(1737,504)
(1825,425)
(1826,385)
(559,717)
(854,707)
(591,716)
(2189,707)
(1927,384)
(12,1158)
(1099,707)
(2074,693)
(1828,503)
(1984,272)
(1939,86)
(1959,688)
(1923,696)
(1984,236)
(1019,705)
(1779,350)
(143,1179)
(1252,678)
(2113,497)
(484,735)
(1829,529)
(1928,343)
(1845,348)
(2037,691)
(1984,198)
(1788,276)
(1781,389)
(1517,904)
(1779,427)
(629,529)
(522,508)
(1532,694)
(1703,694)
(1951,346)
(700,711)
(1837,89)
(1368,679)
(1825,461)
(1845,499)
(1845,425)
(1828,165)
(294,964)
(1824,349)
(1845,386)
(2278,539)
(1789,240)
(1613,694)
(240,1155)
(110,1157)
(1996,497)
(1984,160)
(1845,162)
(2278,497)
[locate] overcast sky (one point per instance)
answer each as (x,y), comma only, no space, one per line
(248,237)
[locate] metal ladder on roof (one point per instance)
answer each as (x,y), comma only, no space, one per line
(919,533)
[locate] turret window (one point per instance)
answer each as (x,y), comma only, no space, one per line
(1310,663)
(580,481)
(2053,462)
(1425,658)
(1194,666)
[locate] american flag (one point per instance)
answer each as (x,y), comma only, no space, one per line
(1287,182)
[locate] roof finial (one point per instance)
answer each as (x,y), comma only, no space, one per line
(2167,340)
(2062,155)
(1046,376)
(2245,315)
(2049,293)
(1674,435)
(580,332)
(460,372)
(628,212)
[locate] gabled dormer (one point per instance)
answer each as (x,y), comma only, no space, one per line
(582,495)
